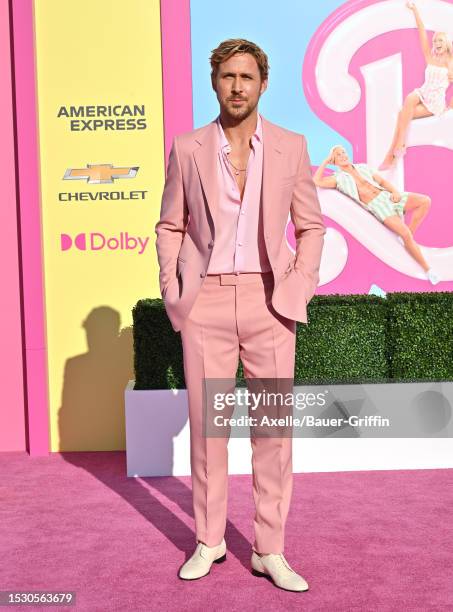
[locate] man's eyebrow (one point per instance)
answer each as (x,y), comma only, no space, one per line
(233,73)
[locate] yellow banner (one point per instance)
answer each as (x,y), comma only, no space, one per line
(101,149)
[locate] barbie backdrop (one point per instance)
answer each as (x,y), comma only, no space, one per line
(340,73)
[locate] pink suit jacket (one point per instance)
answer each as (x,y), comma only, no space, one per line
(187,225)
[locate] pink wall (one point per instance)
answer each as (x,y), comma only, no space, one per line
(177,76)
(12,414)
(30,227)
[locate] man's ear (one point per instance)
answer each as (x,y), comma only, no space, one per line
(213,83)
(263,86)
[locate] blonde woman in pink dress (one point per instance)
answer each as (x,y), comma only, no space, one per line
(429,99)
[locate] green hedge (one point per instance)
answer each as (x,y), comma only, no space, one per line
(421,336)
(350,338)
(345,341)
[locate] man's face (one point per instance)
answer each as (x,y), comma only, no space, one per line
(340,157)
(238,86)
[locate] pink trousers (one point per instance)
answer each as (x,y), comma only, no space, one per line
(231,317)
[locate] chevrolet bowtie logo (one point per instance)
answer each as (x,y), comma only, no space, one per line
(99,173)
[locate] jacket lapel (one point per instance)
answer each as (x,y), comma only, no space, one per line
(272,171)
(205,156)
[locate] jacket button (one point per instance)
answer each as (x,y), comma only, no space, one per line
(211,244)
(202,274)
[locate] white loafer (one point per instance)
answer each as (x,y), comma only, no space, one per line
(200,562)
(278,568)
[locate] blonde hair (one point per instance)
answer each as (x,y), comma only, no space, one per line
(447,41)
(331,152)
(230,47)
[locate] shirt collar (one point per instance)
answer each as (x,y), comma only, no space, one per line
(257,135)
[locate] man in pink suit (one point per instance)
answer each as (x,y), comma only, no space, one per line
(233,288)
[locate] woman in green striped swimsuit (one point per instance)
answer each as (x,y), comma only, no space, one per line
(376,195)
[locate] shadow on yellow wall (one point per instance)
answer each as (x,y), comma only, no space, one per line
(91,415)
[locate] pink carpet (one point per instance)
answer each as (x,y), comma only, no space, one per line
(363,540)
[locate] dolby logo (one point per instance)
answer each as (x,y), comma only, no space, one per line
(97,241)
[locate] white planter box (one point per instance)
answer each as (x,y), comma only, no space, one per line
(158,443)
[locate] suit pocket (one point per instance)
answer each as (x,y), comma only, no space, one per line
(180,266)
(290,265)
(166,288)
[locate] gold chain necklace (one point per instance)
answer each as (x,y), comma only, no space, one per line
(237,170)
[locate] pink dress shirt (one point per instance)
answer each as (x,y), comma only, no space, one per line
(239,241)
